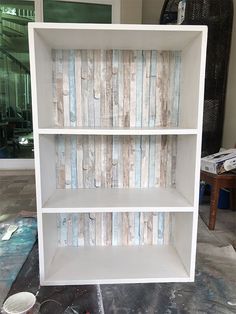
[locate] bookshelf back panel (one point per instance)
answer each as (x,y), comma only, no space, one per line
(116,88)
(90,161)
(104,229)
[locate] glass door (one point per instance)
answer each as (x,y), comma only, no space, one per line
(16,137)
(77,11)
(16,129)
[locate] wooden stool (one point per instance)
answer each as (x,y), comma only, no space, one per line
(217,182)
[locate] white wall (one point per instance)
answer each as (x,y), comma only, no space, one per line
(229,134)
(152,11)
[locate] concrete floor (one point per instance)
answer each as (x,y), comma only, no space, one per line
(17,197)
(17,193)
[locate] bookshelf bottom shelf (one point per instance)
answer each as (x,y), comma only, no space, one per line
(112,265)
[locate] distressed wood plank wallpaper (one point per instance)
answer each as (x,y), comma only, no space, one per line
(104,229)
(90,161)
(104,88)
(96,88)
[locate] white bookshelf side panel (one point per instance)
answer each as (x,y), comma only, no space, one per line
(47,157)
(48,242)
(182,236)
(190,94)
(43,103)
(186,167)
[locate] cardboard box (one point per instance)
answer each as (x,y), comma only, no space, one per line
(220,162)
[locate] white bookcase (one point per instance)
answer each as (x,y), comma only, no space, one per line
(117,115)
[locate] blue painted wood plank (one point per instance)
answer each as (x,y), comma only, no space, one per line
(72,90)
(74,177)
(139,88)
(63,229)
(161,228)
(75,229)
(115,228)
(152,106)
(138,161)
(152,161)
(84,87)
(91,108)
(121,89)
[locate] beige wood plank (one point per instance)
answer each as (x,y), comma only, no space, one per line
(126,112)
(146,88)
(66,102)
(133,83)
(78,88)
(97,88)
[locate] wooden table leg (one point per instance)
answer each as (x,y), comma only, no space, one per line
(215,189)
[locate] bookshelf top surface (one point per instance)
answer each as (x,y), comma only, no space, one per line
(116,36)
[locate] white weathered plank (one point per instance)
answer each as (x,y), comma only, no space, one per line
(115,161)
(155,228)
(74,229)
(86,229)
(126,161)
(103,89)
(121,89)
(72,88)
(67,162)
(81,229)
(98,229)
(131,229)
(131,164)
(97,88)
(78,86)
(91,112)
(92,229)
(115,88)
(153,78)
(66,91)
(125,228)
(59,88)
(84,87)
(139,87)
(146,88)
(91,161)
(98,161)
(63,230)
(166,234)
(126,89)
(69,230)
(133,85)
(108,229)
(145,160)
(80,180)
(109,161)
